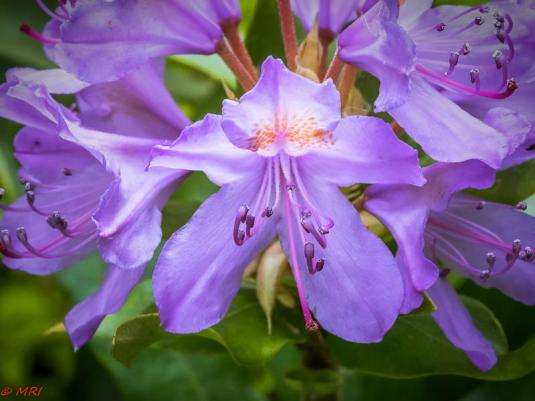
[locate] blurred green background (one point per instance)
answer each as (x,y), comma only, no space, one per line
(35,352)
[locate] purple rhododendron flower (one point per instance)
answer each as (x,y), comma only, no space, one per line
(120,36)
(85,180)
(428,56)
(491,243)
(279,155)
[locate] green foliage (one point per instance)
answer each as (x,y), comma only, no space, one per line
(416,346)
(243,333)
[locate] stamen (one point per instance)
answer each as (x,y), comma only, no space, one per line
(440,27)
(499,59)
(444,272)
(516,247)
(320,264)
(491,260)
(309,227)
(5,238)
(268,212)
(454,59)
(309,256)
(511,85)
(480,205)
(241,217)
(249,223)
(522,206)
(465,49)
(66,171)
(25,28)
(527,254)
(479,20)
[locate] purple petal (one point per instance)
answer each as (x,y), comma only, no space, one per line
(404,209)
(281,101)
(366,150)
(378,45)
(200,268)
(83,320)
(55,80)
(120,36)
(332,14)
(454,319)
(358,293)
(137,105)
(204,146)
(445,131)
(411,11)
(525,152)
(135,191)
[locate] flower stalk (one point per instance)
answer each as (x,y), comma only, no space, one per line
(233,62)
(238,47)
(289,37)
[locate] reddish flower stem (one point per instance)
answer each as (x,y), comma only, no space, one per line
(233,62)
(347,83)
(289,37)
(335,68)
(236,43)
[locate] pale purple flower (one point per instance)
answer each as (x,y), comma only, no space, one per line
(490,243)
(279,155)
(85,180)
(432,56)
(103,40)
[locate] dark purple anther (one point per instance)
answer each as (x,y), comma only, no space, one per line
(499,58)
(320,264)
(528,254)
(484,275)
(498,25)
(491,260)
(22,235)
(56,221)
(454,59)
(309,256)
(268,212)
(479,20)
(66,172)
(474,77)
(30,197)
(249,224)
(466,49)
(511,85)
(290,187)
(309,250)
(440,27)
(28,186)
(484,9)
(242,213)
(498,17)
(5,238)
(480,205)
(521,206)
(323,230)
(516,247)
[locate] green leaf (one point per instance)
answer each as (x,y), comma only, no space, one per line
(512,185)
(243,332)
(264,36)
(416,347)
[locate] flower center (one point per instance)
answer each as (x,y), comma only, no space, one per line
(289,132)
(444,229)
(469,53)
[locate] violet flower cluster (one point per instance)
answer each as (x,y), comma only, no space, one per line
(458,80)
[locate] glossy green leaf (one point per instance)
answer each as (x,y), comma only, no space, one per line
(264,38)
(512,185)
(243,332)
(416,346)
